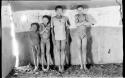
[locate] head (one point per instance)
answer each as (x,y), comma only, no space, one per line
(34,26)
(46,19)
(81,9)
(59,10)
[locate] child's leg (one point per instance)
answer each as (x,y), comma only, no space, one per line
(48,53)
(84,43)
(57,53)
(80,54)
(63,43)
(38,54)
(42,53)
(34,56)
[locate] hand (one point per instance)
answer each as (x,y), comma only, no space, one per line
(87,23)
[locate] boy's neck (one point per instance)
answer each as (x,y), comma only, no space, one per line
(81,13)
(44,24)
(33,31)
(59,16)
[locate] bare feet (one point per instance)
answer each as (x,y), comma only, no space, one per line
(81,67)
(85,68)
(61,69)
(35,69)
(45,70)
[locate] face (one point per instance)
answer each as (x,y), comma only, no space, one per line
(81,10)
(33,28)
(45,20)
(59,11)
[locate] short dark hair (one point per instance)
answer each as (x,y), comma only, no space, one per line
(48,17)
(37,24)
(80,6)
(59,7)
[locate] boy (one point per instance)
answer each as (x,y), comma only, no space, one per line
(45,39)
(34,37)
(82,21)
(59,24)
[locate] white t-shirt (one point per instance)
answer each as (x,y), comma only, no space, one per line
(59,27)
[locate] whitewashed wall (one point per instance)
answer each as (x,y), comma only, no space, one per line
(106,33)
(104,16)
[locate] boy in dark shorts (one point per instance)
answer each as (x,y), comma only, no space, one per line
(34,37)
(45,40)
(83,21)
(59,25)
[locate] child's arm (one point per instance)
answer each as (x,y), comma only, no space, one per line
(79,24)
(76,21)
(48,26)
(52,31)
(67,23)
(41,28)
(67,28)
(52,26)
(89,20)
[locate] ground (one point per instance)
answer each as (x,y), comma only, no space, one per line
(96,70)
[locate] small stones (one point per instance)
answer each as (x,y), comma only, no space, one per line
(104,70)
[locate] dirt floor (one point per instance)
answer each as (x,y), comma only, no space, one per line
(103,70)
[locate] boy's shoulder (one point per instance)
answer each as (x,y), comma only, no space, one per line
(41,24)
(63,17)
(32,32)
(53,17)
(79,15)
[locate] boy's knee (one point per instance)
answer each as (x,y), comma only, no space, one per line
(42,52)
(63,48)
(58,49)
(48,48)
(48,51)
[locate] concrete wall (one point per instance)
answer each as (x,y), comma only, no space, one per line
(105,45)
(103,40)
(8,59)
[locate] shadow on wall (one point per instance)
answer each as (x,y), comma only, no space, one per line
(89,46)
(51,50)
(25,54)
(68,54)
(25,51)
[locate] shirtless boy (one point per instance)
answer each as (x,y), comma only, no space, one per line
(59,24)
(34,37)
(45,39)
(82,21)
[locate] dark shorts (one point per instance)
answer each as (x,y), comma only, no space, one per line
(81,32)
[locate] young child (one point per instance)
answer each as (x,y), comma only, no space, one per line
(83,21)
(45,39)
(34,37)
(59,25)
